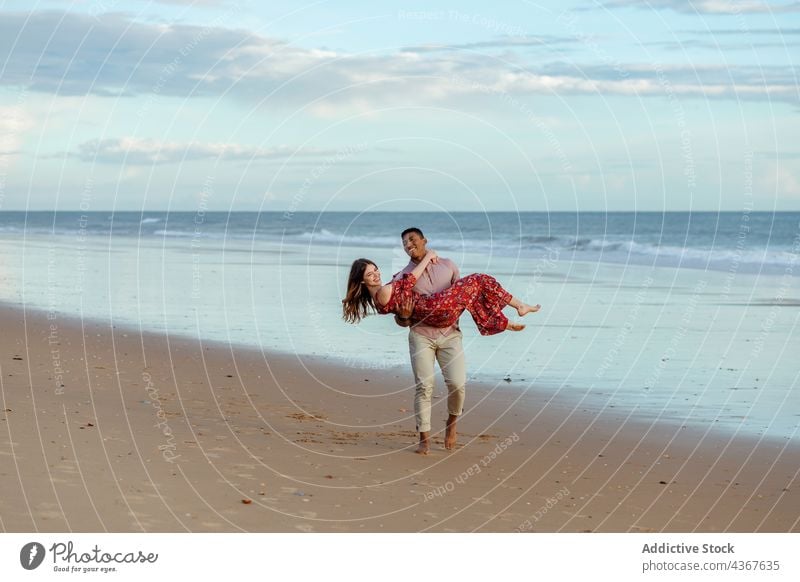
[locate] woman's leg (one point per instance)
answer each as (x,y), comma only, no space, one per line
(492,324)
(479,294)
(487,299)
(523,308)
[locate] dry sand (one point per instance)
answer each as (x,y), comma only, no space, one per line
(157,433)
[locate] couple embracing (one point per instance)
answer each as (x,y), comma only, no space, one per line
(428,296)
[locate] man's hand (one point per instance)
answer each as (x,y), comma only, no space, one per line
(404,311)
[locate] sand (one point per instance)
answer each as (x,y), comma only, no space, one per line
(104,428)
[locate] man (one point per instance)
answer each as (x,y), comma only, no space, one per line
(430,344)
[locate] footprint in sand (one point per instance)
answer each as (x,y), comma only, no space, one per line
(306,417)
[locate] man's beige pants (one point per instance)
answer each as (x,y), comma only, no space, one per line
(449,352)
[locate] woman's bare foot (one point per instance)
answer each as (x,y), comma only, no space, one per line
(450,435)
(525,309)
(514,326)
(424,444)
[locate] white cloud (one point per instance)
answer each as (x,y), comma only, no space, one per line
(783,179)
(728,7)
(138,151)
(72,54)
(14,123)
(502,42)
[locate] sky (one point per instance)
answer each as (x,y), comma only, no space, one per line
(585,105)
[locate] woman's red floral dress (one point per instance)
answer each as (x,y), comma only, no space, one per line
(479,294)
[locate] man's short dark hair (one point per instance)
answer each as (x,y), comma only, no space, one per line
(410,230)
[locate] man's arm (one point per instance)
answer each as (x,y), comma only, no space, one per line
(403,315)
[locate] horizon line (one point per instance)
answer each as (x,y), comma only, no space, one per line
(293,212)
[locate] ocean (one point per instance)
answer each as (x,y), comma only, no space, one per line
(759,242)
(688,318)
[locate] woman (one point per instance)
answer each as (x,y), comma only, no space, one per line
(479,294)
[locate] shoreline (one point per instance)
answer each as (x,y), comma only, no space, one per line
(162,433)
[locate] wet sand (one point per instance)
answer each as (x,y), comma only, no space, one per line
(107,429)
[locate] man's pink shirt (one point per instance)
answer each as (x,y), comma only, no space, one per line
(437,277)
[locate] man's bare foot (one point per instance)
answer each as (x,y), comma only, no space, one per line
(514,326)
(424,444)
(525,309)
(450,435)
(450,439)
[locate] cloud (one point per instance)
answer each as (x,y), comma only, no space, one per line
(693,44)
(708,81)
(521,41)
(707,6)
(745,31)
(73,54)
(137,151)
(727,39)
(14,123)
(781,177)
(77,54)
(703,75)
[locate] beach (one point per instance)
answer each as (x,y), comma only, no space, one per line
(106,427)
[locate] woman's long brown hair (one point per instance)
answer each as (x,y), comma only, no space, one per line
(357,302)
